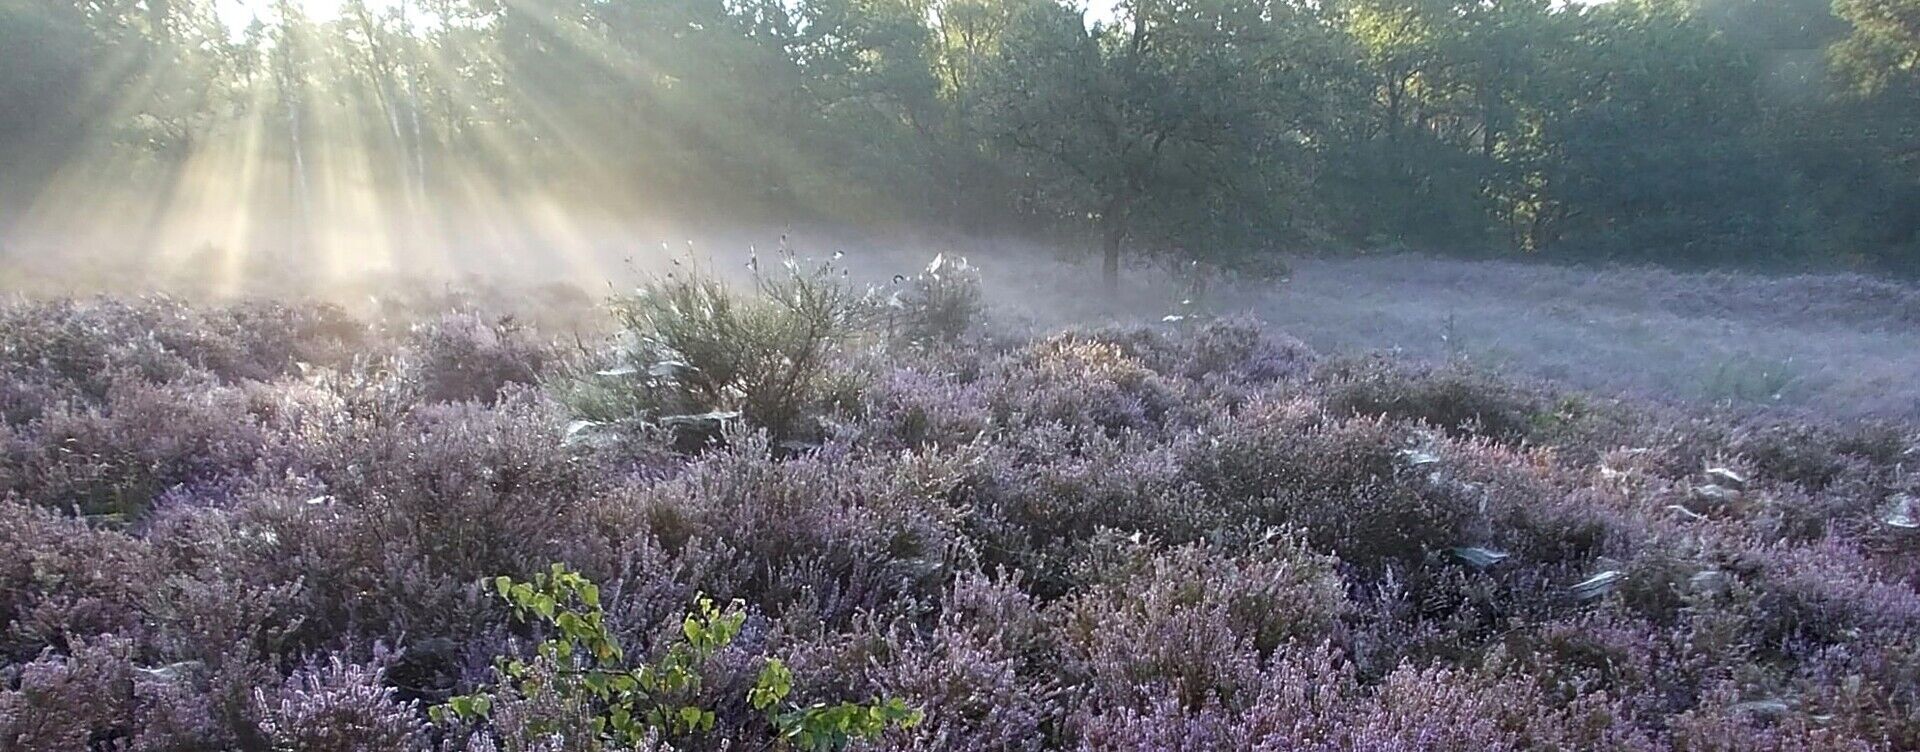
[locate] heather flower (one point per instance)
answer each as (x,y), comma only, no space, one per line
(908,408)
(1081,383)
(976,676)
(143,439)
(467,357)
(1459,402)
(1142,626)
(60,577)
(96,694)
(1183,538)
(1357,486)
(337,706)
(826,531)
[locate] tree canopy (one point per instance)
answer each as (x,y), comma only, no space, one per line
(1685,132)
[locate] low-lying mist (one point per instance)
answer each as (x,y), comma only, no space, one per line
(1843,346)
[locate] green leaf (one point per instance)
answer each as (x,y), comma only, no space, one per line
(772,686)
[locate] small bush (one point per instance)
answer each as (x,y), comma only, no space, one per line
(97,697)
(338,706)
(938,305)
(973,675)
(692,347)
(823,535)
(1460,402)
(84,348)
(1042,495)
(1081,382)
(117,457)
(406,512)
(912,409)
(466,357)
(1150,615)
(1358,487)
(60,577)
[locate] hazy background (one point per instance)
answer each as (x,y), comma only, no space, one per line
(354,135)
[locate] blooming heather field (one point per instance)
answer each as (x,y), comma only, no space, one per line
(1833,345)
(803,517)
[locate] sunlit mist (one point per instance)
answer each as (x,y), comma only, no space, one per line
(338,139)
(237,15)
(216,143)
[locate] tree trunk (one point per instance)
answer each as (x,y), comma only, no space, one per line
(1110,254)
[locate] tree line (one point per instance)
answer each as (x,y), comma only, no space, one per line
(1686,132)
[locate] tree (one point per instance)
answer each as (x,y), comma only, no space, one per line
(1678,131)
(1872,145)
(1660,149)
(1882,55)
(1162,128)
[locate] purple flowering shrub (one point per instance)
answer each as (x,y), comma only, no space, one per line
(464,356)
(142,440)
(271,527)
(62,578)
(82,348)
(1132,635)
(338,706)
(94,693)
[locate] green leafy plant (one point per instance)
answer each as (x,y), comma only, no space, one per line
(584,666)
(821,726)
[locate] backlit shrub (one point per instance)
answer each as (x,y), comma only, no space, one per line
(117,457)
(60,578)
(938,305)
(96,696)
(692,347)
(337,706)
(1079,383)
(1456,401)
(824,534)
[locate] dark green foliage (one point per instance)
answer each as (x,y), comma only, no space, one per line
(1682,132)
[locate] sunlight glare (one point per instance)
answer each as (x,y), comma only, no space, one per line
(237,15)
